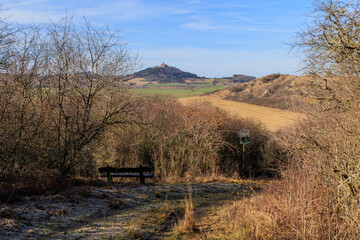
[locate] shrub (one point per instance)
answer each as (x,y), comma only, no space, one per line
(237,89)
(185,142)
(270,77)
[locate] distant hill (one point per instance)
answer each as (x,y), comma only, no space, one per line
(274,90)
(240,78)
(163,74)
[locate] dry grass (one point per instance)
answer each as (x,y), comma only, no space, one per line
(272,118)
(274,90)
(187,223)
(253,218)
(311,201)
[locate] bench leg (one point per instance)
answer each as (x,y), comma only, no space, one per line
(142,178)
(109,178)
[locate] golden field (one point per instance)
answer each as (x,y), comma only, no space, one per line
(272,118)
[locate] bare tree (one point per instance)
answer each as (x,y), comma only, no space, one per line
(23,107)
(84,63)
(331,49)
(59,92)
(330,42)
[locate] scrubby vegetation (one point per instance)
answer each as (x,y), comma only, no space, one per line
(240,78)
(270,77)
(318,197)
(274,90)
(64,113)
(57,97)
(187,142)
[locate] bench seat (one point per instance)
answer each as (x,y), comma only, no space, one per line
(147,175)
(110,172)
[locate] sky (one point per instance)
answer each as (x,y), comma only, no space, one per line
(211,38)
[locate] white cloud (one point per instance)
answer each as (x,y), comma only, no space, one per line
(125,10)
(32,11)
(31,16)
(17,3)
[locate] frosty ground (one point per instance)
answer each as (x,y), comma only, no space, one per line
(114,211)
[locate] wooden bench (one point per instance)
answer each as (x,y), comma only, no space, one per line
(111,172)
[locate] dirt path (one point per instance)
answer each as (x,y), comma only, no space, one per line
(117,211)
(272,118)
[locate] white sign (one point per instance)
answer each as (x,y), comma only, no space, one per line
(244,133)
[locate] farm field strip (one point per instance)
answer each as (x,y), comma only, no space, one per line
(177,93)
(272,118)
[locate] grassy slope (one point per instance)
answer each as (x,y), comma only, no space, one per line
(274,90)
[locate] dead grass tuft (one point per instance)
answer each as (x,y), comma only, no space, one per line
(187,223)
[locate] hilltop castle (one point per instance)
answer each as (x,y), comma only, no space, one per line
(163,65)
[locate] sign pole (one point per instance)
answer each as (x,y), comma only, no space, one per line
(244,157)
(244,135)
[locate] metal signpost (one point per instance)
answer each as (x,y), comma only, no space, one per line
(244,135)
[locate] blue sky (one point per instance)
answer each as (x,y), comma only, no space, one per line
(212,38)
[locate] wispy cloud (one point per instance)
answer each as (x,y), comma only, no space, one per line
(17,3)
(32,16)
(234,27)
(238,17)
(31,11)
(199,25)
(124,10)
(262,29)
(129,10)
(181,11)
(194,1)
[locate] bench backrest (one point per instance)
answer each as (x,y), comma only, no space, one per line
(124,170)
